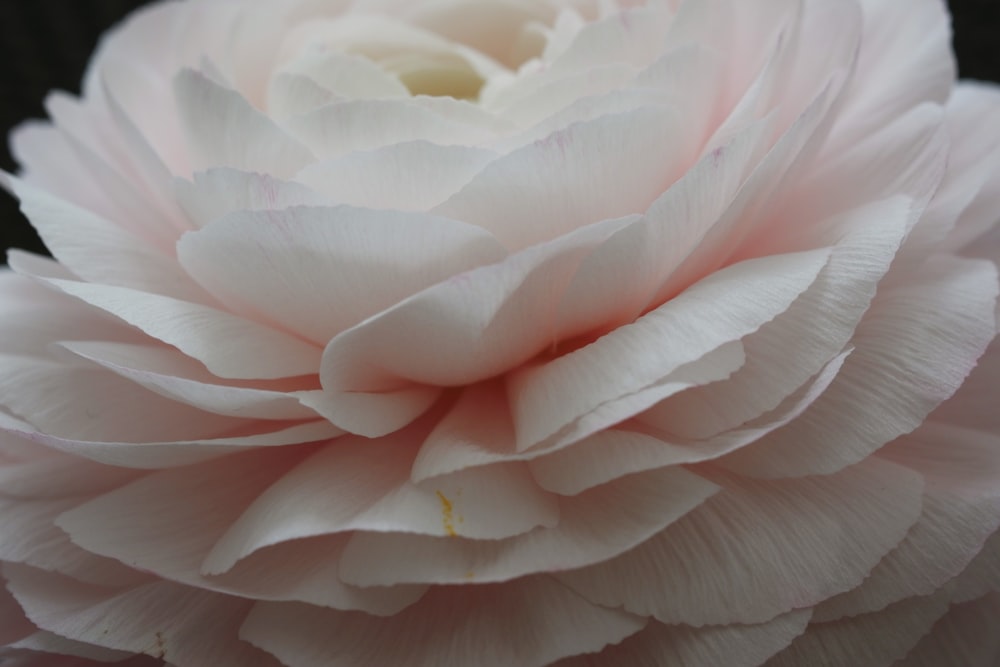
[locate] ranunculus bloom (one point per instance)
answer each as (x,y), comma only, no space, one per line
(507,333)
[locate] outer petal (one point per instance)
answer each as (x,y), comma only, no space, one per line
(318,271)
(356,485)
(965,636)
(223,130)
(396,176)
(804,540)
(605,168)
(593,526)
(961,509)
(180,378)
(721,309)
(730,645)
(169,521)
(100,251)
(530,622)
(925,334)
(161,619)
(870,639)
(230,346)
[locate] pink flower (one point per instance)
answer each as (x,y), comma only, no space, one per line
(505,333)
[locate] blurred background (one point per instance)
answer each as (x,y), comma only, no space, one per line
(44,44)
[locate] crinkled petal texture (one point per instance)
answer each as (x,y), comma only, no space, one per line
(507,333)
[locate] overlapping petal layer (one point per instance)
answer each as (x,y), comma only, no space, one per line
(497,332)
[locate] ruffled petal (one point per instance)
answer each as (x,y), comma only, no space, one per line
(804,539)
(593,526)
(467,625)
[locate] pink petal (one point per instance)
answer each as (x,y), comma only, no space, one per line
(492,27)
(50,474)
(471,327)
(973,161)
(34,316)
(961,509)
(318,271)
(180,378)
(79,400)
(356,485)
(223,130)
(593,526)
(905,58)
(529,623)
(604,168)
(161,619)
(100,251)
(965,636)
(228,345)
(906,157)
(13,623)
(32,538)
(718,310)
(870,639)
(710,646)
(982,576)
(307,570)
(169,521)
(784,352)
(50,643)
(917,343)
(395,176)
(160,454)
(360,125)
(214,194)
(790,534)
(341,75)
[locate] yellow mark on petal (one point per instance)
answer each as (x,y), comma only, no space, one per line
(470,575)
(447,514)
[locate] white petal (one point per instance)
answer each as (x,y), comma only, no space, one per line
(710,646)
(31,537)
(529,623)
(155,455)
(318,271)
(229,346)
(965,636)
(215,193)
(605,168)
(471,327)
(784,352)
(33,316)
(919,340)
(340,74)
(161,619)
(79,400)
(961,509)
(223,130)
(168,522)
(357,485)
(398,176)
(973,163)
(905,58)
(100,251)
(13,623)
(180,378)
(357,125)
(720,309)
(804,539)
(593,526)
(870,639)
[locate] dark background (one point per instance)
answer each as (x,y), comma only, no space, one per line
(44,44)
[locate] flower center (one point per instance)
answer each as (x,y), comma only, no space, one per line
(439,74)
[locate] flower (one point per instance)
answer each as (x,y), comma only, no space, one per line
(507,332)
